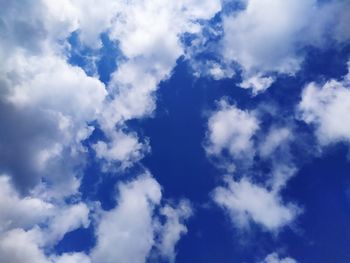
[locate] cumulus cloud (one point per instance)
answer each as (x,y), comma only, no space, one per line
(231,129)
(268,36)
(22,216)
(18,246)
(274,258)
(173,228)
(123,148)
(129,225)
(148,34)
(49,108)
(46,103)
(128,232)
(325,106)
(30,224)
(257,83)
(246,202)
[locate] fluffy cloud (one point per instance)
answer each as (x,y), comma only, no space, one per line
(123,148)
(234,139)
(46,103)
(30,224)
(149,36)
(128,232)
(174,228)
(247,202)
(22,216)
(49,108)
(274,258)
(325,106)
(18,246)
(268,36)
(129,225)
(231,129)
(257,83)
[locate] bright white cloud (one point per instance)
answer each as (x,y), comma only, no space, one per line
(246,202)
(128,232)
(257,83)
(268,36)
(19,246)
(30,224)
(231,129)
(47,106)
(236,132)
(325,106)
(149,36)
(274,258)
(174,228)
(123,148)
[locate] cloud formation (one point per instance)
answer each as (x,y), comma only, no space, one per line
(247,202)
(269,36)
(324,106)
(231,130)
(128,232)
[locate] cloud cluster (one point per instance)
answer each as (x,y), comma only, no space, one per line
(245,201)
(325,107)
(269,36)
(28,224)
(131,231)
(50,107)
(231,129)
(134,226)
(235,139)
(149,36)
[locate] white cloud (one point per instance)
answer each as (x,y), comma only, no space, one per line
(30,224)
(19,246)
(17,212)
(257,83)
(124,148)
(268,36)
(47,109)
(261,37)
(231,129)
(67,219)
(325,106)
(127,233)
(273,140)
(149,36)
(47,105)
(246,202)
(237,132)
(274,258)
(174,228)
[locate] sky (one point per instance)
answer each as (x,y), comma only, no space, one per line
(152,131)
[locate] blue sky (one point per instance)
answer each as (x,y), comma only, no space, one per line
(211,131)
